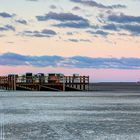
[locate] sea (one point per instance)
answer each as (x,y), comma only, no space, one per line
(70,115)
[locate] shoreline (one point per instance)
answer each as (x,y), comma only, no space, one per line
(114,86)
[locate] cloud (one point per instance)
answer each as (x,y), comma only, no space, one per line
(122,18)
(85,40)
(78,40)
(60,17)
(98,32)
(133,29)
(92,3)
(70,33)
(21,21)
(76,8)
(53,7)
(123,23)
(6,15)
(79,24)
(7,28)
(43,33)
(13,59)
(73,40)
(67,20)
(110,27)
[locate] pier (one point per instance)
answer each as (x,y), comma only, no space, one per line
(42,82)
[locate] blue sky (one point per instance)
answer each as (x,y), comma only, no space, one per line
(83,34)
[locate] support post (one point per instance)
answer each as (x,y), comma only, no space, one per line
(63,83)
(84,83)
(80,82)
(88,83)
(14,82)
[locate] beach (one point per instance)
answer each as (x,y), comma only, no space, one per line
(69,115)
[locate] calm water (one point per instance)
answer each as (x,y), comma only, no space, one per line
(69,116)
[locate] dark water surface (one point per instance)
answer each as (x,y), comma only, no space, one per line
(69,116)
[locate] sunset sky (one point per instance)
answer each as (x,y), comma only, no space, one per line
(99,38)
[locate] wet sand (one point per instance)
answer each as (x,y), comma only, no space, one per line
(69,116)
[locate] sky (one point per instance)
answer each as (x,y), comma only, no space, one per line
(96,38)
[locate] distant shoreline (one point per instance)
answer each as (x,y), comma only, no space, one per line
(114,86)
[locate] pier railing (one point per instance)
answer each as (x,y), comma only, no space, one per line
(61,83)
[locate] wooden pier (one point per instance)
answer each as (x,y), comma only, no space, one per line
(41,82)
